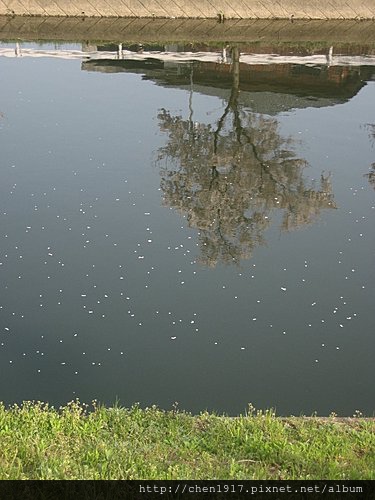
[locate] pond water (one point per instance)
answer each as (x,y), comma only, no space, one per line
(193,232)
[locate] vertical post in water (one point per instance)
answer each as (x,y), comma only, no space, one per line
(120,53)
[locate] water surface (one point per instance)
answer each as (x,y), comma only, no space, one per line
(192,232)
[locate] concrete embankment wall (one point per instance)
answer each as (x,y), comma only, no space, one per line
(223,9)
(260,31)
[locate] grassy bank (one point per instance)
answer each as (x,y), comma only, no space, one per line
(40,442)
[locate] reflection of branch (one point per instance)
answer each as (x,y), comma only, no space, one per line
(276,182)
(371,128)
(220,123)
(214,175)
(191,100)
(263,167)
(236,85)
(232,102)
(227,245)
(371,175)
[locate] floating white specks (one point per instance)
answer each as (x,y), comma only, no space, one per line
(283,288)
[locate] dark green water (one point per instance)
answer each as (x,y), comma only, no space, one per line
(179,232)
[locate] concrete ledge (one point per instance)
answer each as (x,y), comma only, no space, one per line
(258,31)
(205,9)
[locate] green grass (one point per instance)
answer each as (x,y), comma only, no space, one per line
(40,442)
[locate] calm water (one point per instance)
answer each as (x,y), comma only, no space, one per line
(169,232)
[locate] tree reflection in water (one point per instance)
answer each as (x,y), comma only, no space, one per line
(371,173)
(229,178)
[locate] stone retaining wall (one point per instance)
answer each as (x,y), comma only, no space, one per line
(220,9)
